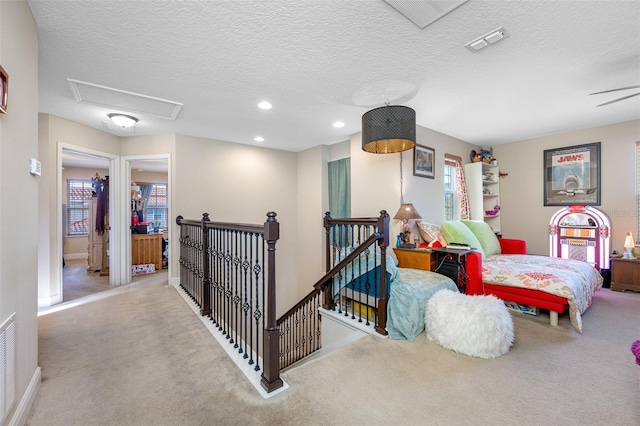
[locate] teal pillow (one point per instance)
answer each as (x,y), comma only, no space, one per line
(457,232)
(485,235)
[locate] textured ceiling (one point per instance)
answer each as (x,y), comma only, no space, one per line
(320,61)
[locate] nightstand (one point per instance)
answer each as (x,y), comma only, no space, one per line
(415,258)
(625,274)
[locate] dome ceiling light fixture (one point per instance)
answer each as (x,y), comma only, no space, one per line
(389,129)
(123,120)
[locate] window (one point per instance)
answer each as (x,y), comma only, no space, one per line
(451,202)
(78,194)
(156,209)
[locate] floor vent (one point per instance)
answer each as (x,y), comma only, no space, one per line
(7,366)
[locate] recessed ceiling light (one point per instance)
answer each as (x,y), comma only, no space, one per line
(258,139)
(264,105)
(338,124)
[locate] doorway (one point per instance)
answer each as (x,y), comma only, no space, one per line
(79,172)
(149,199)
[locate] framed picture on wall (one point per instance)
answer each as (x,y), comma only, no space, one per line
(4,90)
(424,161)
(572,175)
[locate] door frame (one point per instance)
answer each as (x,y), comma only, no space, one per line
(114,206)
(125,213)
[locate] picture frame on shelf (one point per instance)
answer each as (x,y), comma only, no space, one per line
(424,161)
(572,175)
(4,90)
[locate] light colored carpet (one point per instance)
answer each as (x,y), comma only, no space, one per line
(79,282)
(142,358)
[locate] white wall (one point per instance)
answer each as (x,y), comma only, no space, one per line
(148,177)
(19,196)
(312,200)
(53,131)
(523,214)
(375,179)
(241,183)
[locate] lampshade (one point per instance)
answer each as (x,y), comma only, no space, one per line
(628,241)
(389,129)
(407,212)
(123,120)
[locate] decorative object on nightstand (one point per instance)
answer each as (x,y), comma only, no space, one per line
(628,246)
(405,213)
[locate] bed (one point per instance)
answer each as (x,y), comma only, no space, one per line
(408,292)
(501,267)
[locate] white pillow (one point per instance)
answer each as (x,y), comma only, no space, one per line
(431,232)
(428,231)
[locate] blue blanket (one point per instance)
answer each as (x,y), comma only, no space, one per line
(363,274)
(408,296)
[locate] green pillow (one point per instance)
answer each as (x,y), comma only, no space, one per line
(457,232)
(485,235)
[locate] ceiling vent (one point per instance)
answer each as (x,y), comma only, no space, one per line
(487,39)
(124,101)
(423,13)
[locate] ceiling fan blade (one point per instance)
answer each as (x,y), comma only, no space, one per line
(615,90)
(619,99)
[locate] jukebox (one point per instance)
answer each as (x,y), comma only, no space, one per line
(581,233)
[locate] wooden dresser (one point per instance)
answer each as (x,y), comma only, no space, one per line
(625,274)
(147,248)
(415,258)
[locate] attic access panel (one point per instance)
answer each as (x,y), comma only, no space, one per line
(423,13)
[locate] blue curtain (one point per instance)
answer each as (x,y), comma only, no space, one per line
(145,192)
(340,188)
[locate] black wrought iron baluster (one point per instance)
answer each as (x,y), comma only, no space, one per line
(236,286)
(246,264)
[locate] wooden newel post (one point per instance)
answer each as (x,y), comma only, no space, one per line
(271,373)
(383,226)
(328,302)
(205,308)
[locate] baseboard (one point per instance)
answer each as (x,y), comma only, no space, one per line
(253,376)
(72,256)
(174,281)
(45,302)
(24,407)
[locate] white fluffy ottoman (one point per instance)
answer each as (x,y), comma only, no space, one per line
(479,326)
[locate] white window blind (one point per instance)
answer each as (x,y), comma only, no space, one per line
(451,211)
(78,194)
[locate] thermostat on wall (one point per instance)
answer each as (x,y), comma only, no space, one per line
(35,167)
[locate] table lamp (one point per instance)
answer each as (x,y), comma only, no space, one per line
(628,246)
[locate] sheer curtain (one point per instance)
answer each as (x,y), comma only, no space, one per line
(340,188)
(463,196)
(461,185)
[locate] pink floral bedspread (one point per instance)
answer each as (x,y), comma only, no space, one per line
(574,280)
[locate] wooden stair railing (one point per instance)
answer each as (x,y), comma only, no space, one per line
(299,327)
(229,271)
